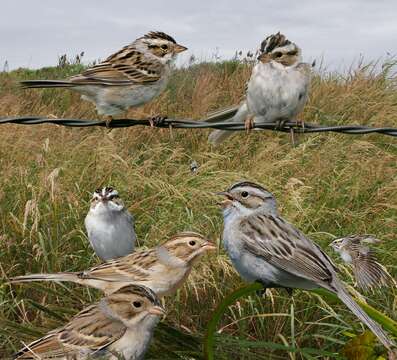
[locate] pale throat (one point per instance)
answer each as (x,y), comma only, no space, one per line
(236,210)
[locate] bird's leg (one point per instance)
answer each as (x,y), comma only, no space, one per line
(280,123)
(300,123)
(249,123)
(108,120)
(266,286)
(292,133)
(290,291)
(157,120)
(261,292)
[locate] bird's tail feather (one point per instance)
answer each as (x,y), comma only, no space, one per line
(65,276)
(228,115)
(45,83)
(223,114)
(347,299)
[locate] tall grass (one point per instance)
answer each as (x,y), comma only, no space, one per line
(329,185)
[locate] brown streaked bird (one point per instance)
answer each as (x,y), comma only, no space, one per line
(120,324)
(368,272)
(130,77)
(162,269)
(264,247)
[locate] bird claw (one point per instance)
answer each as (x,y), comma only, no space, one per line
(157,121)
(108,120)
(280,124)
(290,291)
(300,124)
(261,292)
(249,123)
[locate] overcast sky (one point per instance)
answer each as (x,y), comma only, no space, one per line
(34,32)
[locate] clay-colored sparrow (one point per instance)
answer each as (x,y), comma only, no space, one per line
(130,77)
(368,272)
(120,324)
(276,92)
(109,225)
(162,269)
(266,248)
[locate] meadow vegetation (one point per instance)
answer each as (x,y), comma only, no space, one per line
(329,185)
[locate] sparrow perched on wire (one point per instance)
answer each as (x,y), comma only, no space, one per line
(119,325)
(162,269)
(109,225)
(130,77)
(368,272)
(266,248)
(276,92)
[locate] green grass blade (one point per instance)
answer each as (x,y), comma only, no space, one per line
(209,339)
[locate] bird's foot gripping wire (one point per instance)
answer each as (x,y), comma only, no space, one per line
(249,123)
(108,120)
(157,120)
(280,124)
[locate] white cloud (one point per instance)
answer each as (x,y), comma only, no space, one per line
(34,32)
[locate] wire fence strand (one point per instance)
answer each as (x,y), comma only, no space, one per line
(196,124)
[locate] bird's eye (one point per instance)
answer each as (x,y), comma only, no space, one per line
(244,194)
(164,47)
(192,243)
(137,304)
(277,54)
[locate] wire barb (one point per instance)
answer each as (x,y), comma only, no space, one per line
(193,124)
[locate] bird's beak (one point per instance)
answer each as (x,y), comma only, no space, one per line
(157,310)
(264,58)
(179,48)
(227,201)
(208,245)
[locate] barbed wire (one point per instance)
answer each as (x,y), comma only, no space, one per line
(193,124)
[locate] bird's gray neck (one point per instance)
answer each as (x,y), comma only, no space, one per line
(237,211)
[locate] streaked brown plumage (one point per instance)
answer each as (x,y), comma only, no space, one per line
(163,269)
(130,77)
(118,325)
(368,272)
(266,248)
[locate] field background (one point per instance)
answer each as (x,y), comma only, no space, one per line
(329,185)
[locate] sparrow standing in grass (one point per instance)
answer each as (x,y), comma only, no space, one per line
(109,225)
(130,77)
(119,325)
(368,272)
(162,269)
(266,248)
(277,90)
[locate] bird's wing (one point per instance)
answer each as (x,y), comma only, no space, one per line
(369,273)
(46,347)
(282,245)
(126,67)
(130,218)
(89,330)
(92,328)
(305,71)
(133,267)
